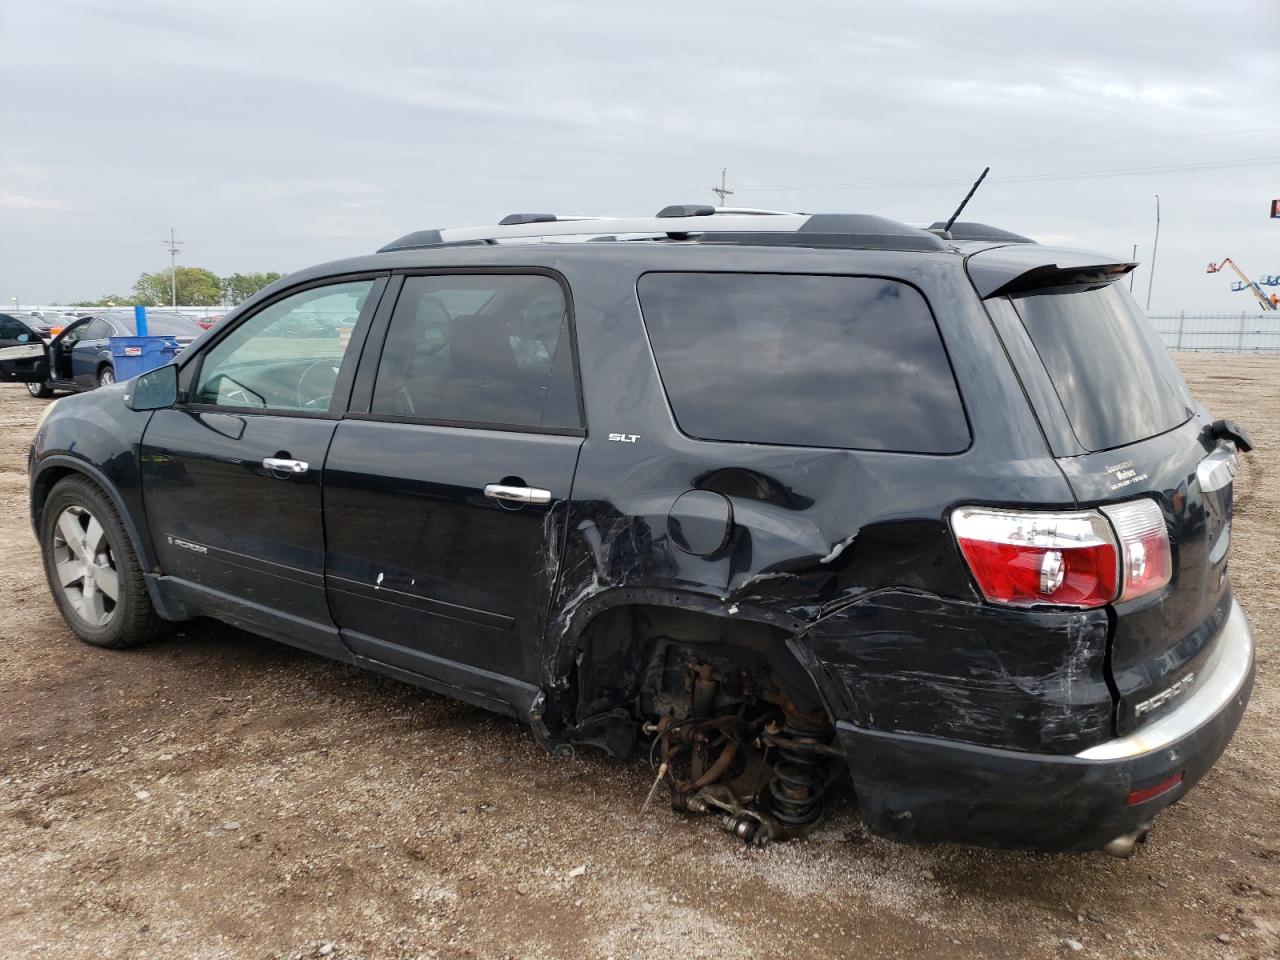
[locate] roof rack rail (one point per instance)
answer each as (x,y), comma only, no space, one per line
(755,212)
(705,210)
(824,229)
(518,219)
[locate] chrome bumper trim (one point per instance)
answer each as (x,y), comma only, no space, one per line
(1222,677)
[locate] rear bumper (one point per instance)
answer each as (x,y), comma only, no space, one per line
(925,789)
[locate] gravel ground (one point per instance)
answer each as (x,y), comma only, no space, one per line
(217,795)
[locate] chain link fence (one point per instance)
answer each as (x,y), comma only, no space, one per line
(1220,332)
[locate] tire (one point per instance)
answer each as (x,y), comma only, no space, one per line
(106,376)
(39,390)
(79,522)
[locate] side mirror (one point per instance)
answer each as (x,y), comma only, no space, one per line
(155,389)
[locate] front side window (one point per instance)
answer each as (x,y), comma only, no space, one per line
(484,349)
(851,362)
(287,356)
(74,333)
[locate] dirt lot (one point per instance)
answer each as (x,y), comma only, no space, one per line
(217,795)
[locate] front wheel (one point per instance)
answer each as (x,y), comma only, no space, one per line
(39,390)
(106,377)
(92,569)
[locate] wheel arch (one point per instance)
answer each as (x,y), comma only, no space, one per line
(613,630)
(57,467)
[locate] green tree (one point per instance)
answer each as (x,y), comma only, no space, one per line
(196,287)
(109,300)
(239,287)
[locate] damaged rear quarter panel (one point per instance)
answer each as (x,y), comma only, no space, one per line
(819,535)
(1020,679)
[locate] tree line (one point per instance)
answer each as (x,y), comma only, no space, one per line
(196,287)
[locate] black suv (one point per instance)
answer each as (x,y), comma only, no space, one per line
(763,495)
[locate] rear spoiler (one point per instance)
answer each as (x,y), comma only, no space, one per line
(1014,270)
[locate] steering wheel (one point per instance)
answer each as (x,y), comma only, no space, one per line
(308,400)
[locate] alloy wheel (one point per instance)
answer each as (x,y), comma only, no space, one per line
(106,377)
(85,566)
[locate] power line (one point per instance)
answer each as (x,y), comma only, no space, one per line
(1170,168)
(1036,177)
(999,154)
(683,189)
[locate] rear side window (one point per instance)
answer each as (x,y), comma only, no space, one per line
(480,349)
(98,329)
(1115,378)
(853,362)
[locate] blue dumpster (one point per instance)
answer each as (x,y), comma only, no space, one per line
(134,355)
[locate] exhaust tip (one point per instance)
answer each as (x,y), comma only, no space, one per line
(1123,845)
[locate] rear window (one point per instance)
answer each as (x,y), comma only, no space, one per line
(1115,378)
(853,362)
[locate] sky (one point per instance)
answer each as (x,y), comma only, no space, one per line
(273,134)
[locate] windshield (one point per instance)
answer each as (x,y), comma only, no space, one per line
(1115,378)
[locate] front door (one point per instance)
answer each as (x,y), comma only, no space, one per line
(446,486)
(24,358)
(232,473)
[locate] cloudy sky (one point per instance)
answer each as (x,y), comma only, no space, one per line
(277,134)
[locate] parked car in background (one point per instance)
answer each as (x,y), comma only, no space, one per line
(47,323)
(21,344)
(80,353)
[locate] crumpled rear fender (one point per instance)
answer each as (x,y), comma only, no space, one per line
(911,662)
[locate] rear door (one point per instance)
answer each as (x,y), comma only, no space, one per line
(446,485)
(24,357)
(90,352)
(1124,427)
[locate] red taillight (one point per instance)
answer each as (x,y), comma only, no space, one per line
(1150,793)
(1077,559)
(1024,558)
(1146,561)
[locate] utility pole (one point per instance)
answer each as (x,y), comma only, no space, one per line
(723,190)
(1151,276)
(173,243)
(1132,272)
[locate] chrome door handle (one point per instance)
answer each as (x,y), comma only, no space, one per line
(280,465)
(498,491)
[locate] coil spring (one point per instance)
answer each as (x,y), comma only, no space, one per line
(799,779)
